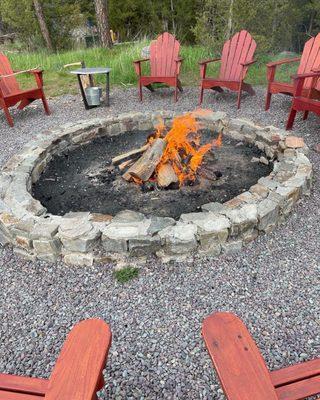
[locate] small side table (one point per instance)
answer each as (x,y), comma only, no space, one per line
(90,72)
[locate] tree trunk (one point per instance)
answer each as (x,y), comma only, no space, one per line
(101,7)
(230,20)
(172,16)
(42,23)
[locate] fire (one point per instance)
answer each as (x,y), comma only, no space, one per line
(183,150)
(170,156)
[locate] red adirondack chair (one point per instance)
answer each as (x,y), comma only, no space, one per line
(309,60)
(242,370)
(301,103)
(237,56)
(77,374)
(11,93)
(165,64)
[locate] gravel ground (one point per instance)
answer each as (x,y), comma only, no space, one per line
(157,350)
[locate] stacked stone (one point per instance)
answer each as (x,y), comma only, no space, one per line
(85,238)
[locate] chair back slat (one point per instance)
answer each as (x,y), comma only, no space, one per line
(310,59)
(239,49)
(8,85)
(163,53)
(236,358)
(77,374)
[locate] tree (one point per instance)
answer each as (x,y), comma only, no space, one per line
(101,7)
(42,24)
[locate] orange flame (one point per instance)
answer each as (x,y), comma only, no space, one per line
(183,150)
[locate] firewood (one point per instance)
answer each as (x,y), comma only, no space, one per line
(125,164)
(145,166)
(166,175)
(122,157)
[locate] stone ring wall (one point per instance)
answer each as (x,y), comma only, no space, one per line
(84,238)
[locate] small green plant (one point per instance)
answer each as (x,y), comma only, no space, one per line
(126,274)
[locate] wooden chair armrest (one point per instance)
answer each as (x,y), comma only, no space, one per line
(203,66)
(306,75)
(295,373)
(248,63)
(178,61)
(142,60)
(284,61)
(209,61)
(35,71)
(77,374)
(137,65)
(26,71)
(23,384)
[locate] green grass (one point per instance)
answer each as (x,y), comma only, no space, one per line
(59,81)
(126,274)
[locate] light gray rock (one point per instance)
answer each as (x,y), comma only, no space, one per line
(78,235)
(5,181)
(47,246)
(4,239)
(159,223)
(268,213)
(44,230)
(116,235)
(211,227)
(145,245)
(214,207)
(179,238)
(242,218)
(79,259)
(232,246)
(269,183)
(128,216)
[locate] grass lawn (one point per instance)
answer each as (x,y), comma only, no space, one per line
(58,81)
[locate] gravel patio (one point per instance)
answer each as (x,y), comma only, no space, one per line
(157,350)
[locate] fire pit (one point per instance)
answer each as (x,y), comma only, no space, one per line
(162,172)
(143,184)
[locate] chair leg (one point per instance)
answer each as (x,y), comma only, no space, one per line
(45,104)
(239,96)
(140,90)
(291,118)
(201,95)
(24,103)
(305,115)
(7,114)
(268,100)
(176,92)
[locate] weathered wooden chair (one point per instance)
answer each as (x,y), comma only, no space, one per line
(165,64)
(77,374)
(11,93)
(309,60)
(237,56)
(300,102)
(242,370)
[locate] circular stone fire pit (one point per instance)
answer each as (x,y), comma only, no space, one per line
(249,199)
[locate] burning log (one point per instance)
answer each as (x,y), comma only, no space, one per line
(166,175)
(147,163)
(122,157)
(125,164)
